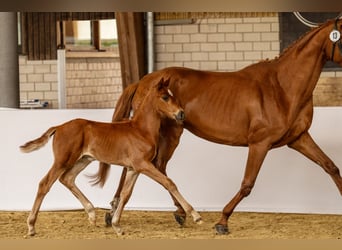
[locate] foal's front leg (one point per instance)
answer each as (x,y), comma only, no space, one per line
(169,136)
(149,170)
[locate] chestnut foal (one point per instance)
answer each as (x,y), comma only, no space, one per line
(131,144)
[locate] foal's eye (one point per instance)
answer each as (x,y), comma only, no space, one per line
(165,97)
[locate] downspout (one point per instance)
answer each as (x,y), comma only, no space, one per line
(61,69)
(150,42)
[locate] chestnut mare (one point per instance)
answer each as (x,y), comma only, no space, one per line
(263,106)
(131,143)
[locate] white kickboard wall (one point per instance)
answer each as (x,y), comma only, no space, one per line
(207,174)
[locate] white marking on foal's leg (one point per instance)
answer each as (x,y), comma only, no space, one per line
(116,226)
(30,225)
(91,213)
(196,217)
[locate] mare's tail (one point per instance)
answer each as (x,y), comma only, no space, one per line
(122,111)
(39,142)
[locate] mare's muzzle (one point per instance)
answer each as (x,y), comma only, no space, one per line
(180,116)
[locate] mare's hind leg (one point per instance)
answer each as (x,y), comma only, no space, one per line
(68,180)
(127,188)
(256,156)
(116,199)
(43,188)
(306,145)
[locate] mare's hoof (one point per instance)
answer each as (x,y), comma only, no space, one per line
(108,219)
(180,218)
(221,229)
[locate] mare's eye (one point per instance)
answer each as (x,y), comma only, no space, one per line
(165,97)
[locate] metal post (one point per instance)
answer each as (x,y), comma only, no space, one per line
(150,42)
(61,78)
(9,61)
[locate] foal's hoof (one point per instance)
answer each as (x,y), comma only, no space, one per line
(118,230)
(30,234)
(108,219)
(179,218)
(199,221)
(221,229)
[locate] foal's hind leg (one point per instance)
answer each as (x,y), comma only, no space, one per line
(43,188)
(306,145)
(68,180)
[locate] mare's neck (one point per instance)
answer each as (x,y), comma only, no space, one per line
(301,65)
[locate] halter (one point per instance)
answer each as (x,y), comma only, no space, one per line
(335,37)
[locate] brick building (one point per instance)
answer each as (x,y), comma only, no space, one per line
(206,41)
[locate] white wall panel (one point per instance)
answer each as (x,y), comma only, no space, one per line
(207,174)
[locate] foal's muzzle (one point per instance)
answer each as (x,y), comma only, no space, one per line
(180,116)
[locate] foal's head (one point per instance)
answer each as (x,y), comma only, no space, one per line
(164,102)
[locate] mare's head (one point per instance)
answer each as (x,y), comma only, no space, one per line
(333,45)
(165,103)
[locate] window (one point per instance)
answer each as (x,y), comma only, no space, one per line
(291,29)
(99,35)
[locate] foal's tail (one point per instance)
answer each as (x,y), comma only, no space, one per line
(122,111)
(39,142)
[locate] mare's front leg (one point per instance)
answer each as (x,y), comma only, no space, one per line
(256,156)
(306,145)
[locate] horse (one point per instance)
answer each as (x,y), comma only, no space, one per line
(131,143)
(263,106)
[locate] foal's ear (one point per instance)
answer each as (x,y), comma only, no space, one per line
(166,82)
(163,84)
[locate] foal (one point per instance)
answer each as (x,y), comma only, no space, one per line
(131,144)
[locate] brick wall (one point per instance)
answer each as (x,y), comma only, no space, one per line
(93,82)
(90,82)
(229,44)
(214,43)
(38,80)
(218,44)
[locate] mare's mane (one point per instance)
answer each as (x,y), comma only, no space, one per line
(305,37)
